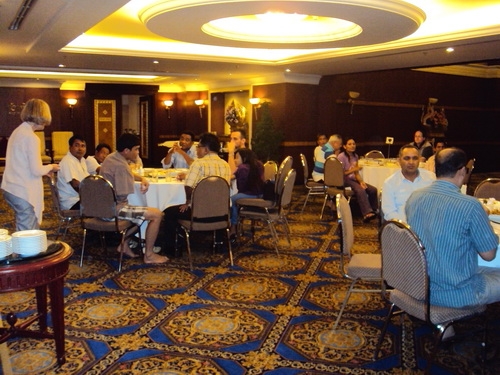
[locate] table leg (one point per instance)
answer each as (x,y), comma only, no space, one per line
(41,306)
(57,306)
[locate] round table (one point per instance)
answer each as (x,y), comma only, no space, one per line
(38,272)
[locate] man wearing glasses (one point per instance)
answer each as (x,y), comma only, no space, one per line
(454,228)
(208,163)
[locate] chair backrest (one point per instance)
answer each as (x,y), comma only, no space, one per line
(375,154)
(345,225)
(56,203)
(305,168)
(210,204)
(97,198)
(285,167)
(404,265)
(489,188)
(60,143)
(287,190)
(270,170)
(470,167)
(334,172)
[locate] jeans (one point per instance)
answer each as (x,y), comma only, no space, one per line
(367,198)
(24,211)
(234,206)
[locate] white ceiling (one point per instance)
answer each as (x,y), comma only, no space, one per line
(108,37)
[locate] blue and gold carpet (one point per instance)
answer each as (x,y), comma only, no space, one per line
(268,314)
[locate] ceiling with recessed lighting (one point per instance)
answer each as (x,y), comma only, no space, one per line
(191,45)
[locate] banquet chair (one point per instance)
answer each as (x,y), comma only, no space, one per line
(46,159)
(98,212)
(209,212)
(374,154)
(66,217)
(60,144)
(355,267)
(270,170)
(284,168)
(313,187)
(489,188)
(404,268)
(271,215)
(334,181)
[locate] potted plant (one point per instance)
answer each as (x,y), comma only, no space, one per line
(266,139)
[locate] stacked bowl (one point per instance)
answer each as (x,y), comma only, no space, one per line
(5,244)
(29,242)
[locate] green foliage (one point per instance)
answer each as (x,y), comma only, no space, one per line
(266,139)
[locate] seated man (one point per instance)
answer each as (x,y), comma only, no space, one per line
(73,169)
(430,164)
(94,161)
(332,147)
(182,154)
(399,186)
(239,138)
(115,169)
(455,229)
(207,164)
(424,148)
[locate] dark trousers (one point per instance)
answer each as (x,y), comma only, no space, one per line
(169,226)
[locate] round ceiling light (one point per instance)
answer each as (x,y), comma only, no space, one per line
(343,23)
(275,27)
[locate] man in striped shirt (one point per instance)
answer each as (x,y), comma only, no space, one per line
(454,228)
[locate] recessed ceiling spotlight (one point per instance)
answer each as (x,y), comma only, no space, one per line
(450,49)
(288,70)
(156,62)
(62,66)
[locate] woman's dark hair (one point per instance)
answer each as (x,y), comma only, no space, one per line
(100,146)
(254,175)
(345,151)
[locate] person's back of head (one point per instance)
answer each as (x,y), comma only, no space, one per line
(209,140)
(449,161)
(127,140)
(36,111)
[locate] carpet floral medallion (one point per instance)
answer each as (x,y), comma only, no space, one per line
(268,314)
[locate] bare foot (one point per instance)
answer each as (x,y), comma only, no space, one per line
(127,251)
(155,259)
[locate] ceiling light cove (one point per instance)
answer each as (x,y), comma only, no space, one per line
(276,27)
(298,24)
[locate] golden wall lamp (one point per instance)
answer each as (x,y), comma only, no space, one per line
(352,95)
(168,103)
(71,103)
(255,104)
(201,104)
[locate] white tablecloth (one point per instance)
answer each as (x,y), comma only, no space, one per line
(375,175)
(161,194)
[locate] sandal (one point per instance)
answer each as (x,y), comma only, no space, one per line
(369,216)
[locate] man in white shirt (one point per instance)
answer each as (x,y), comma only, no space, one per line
(182,154)
(430,164)
(94,161)
(399,186)
(73,169)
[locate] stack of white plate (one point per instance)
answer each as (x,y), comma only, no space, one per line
(29,242)
(5,246)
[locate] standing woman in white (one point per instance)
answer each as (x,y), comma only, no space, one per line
(22,183)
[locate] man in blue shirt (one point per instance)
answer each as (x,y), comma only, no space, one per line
(332,147)
(182,154)
(454,228)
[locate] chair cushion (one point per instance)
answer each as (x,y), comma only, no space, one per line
(106,226)
(70,213)
(315,185)
(256,202)
(439,314)
(203,226)
(366,266)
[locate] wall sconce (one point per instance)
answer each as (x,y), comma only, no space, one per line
(255,103)
(201,104)
(352,95)
(433,100)
(168,104)
(71,103)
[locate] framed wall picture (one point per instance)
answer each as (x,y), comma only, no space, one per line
(105,122)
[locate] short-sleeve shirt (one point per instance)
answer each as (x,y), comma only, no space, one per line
(453,228)
(209,165)
(115,169)
(70,168)
(318,172)
(92,164)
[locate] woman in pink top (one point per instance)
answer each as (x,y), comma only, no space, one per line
(366,194)
(22,184)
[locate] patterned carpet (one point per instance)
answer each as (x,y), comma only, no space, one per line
(268,314)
